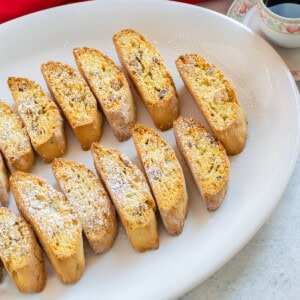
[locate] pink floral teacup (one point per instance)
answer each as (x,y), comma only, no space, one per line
(282,31)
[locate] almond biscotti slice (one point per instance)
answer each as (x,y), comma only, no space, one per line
(150,76)
(76,100)
(217,100)
(206,158)
(40,116)
(130,194)
(54,223)
(89,201)
(14,141)
(20,252)
(4,184)
(165,176)
(110,87)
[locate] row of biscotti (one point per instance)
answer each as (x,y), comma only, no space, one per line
(77,101)
(42,119)
(211,91)
(15,154)
(40,124)
(57,220)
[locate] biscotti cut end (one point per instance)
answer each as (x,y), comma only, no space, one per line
(235,137)
(110,87)
(144,238)
(150,76)
(40,116)
(76,101)
(217,99)
(206,158)
(130,194)
(89,201)
(54,223)
(90,133)
(14,142)
(20,252)
(165,176)
(23,163)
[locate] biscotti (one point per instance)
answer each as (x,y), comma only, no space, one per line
(40,116)
(90,202)
(216,99)
(76,100)
(165,176)
(14,141)
(206,158)
(4,183)
(110,87)
(150,76)
(20,252)
(130,194)
(54,223)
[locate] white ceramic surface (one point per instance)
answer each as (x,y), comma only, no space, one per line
(259,176)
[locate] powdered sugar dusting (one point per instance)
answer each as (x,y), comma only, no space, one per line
(145,66)
(106,80)
(86,194)
(71,92)
(36,109)
(161,166)
(15,237)
(126,184)
(209,88)
(48,211)
(208,161)
(13,137)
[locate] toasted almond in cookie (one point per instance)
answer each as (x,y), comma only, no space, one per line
(54,223)
(110,87)
(206,158)
(130,194)
(76,100)
(216,99)
(89,201)
(20,252)
(164,175)
(150,76)
(14,141)
(40,116)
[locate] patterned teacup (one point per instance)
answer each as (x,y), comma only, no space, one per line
(281,30)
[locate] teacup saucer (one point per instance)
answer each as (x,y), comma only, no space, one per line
(245,11)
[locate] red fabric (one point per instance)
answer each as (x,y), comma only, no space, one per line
(10,9)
